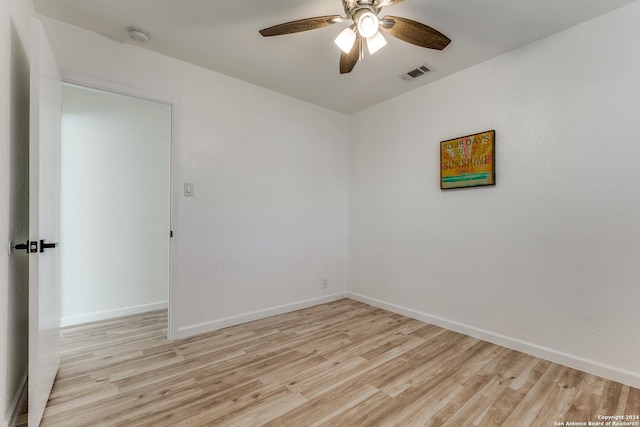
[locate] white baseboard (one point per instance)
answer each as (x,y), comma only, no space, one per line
(16,405)
(110,314)
(187,331)
(572,361)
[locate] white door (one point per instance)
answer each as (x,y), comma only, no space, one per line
(44,220)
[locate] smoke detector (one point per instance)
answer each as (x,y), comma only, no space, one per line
(138,35)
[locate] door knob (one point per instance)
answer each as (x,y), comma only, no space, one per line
(22,246)
(44,245)
(28,247)
(31,247)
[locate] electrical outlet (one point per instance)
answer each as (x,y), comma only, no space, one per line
(325,283)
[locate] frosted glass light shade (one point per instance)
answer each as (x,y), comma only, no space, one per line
(367,24)
(345,40)
(376,42)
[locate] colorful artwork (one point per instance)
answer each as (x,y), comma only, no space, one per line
(468,161)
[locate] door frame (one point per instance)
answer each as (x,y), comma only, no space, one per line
(112,87)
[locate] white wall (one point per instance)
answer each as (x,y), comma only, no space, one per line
(15,24)
(268,219)
(115,222)
(548,260)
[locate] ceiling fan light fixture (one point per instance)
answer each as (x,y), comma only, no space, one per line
(367,24)
(376,42)
(345,40)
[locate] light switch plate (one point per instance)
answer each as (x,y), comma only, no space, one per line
(188,189)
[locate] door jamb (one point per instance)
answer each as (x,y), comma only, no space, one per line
(108,86)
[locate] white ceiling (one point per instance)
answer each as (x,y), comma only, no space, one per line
(222,35)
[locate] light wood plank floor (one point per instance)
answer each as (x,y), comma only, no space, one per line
(338,364)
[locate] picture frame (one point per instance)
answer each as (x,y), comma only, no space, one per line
(468,161)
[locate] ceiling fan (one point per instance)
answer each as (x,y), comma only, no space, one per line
(366,25)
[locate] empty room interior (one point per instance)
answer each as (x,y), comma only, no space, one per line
(317,242)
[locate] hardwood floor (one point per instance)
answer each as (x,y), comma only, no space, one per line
(339,364)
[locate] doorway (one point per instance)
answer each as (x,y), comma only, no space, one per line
(115,205)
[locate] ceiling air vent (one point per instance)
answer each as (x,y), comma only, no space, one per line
(414,74)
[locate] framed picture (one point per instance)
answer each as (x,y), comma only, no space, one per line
(468,161)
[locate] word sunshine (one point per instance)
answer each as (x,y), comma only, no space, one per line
(465,163)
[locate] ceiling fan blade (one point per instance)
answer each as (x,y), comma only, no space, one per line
(414,32)
(384,3)
(349,60)
(301,25)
